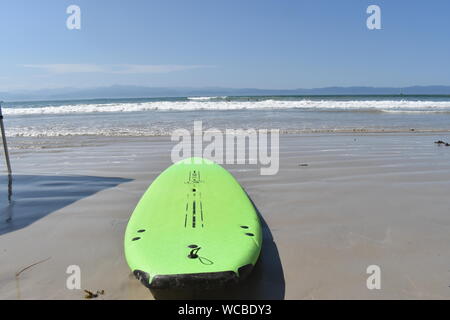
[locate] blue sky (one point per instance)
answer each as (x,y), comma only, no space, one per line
(229,43)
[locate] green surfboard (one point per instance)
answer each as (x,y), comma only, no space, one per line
(194,227)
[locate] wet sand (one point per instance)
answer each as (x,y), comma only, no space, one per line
(357,200)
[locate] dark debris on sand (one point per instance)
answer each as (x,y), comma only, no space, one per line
(91,295)
(440,143)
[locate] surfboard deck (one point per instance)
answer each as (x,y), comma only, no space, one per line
(194,227)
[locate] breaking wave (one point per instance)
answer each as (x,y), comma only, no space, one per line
(212,103)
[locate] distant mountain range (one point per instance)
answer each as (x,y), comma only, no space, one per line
(119,91)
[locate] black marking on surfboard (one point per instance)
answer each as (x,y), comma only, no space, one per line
(201,212)
(194,253)
(186,214)
(134,239)
(193,214)
(194,177)
(201,208)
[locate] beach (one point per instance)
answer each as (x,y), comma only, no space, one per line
(246,151)
(340,202)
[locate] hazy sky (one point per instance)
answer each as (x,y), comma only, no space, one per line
(229,43)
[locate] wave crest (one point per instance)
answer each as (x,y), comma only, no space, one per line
(208,104)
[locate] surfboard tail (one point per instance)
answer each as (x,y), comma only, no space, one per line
(193,280)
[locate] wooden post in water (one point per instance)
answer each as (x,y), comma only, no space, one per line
(5,147)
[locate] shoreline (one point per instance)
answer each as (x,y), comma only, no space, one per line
(282,132)
(17,144)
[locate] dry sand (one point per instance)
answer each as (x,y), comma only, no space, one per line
(364,199)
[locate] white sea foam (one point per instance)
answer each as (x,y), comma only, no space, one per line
(206,98)
(65,132)
(139,132)
(314,105)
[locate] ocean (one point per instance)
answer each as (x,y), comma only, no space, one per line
(290,114)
